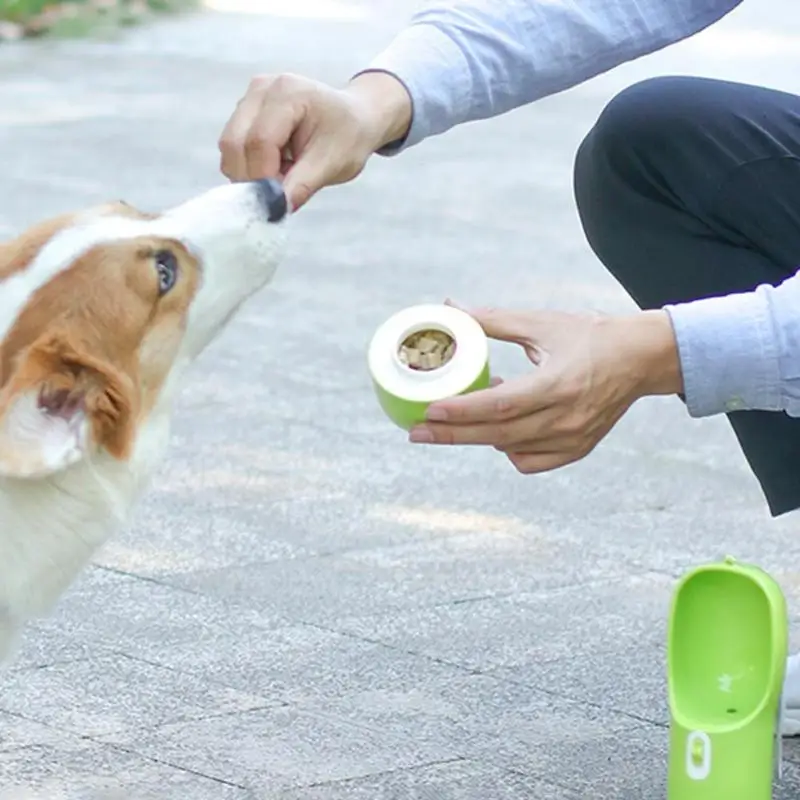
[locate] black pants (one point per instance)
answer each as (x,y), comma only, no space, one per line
(690,188)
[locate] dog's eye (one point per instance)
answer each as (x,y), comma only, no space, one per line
(167,267)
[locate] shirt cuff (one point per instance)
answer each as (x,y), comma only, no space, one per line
(434,72)
(728,353)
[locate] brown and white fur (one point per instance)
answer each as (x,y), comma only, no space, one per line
(95,338)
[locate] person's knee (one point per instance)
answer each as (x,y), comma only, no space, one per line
(650,113)
(631,155)
(642,143)
(641,126)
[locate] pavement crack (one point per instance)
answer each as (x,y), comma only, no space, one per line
(166,763)
(383,773)
(50,664)
(207,679)
(580,700)
(148,579)
(394,648)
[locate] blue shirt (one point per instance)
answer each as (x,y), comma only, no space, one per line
(465,60)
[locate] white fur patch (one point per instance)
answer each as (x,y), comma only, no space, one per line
(57,255)
(35,443)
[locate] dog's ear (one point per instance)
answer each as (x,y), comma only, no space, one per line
(61,403)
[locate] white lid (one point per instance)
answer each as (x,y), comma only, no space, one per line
(457,375)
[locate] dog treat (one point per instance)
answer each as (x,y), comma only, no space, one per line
(427,350)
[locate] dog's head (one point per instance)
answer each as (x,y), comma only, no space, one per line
(100,310)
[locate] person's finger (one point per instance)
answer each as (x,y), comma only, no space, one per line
(448,301)
(233,162)
(544,433)
(546,444)
(535,463)
(499,323)
(504,435)
(307,176)
(287,161)
(268,137)
(509,400)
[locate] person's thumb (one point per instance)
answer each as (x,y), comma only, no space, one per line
(306,177)
(316,167)
(502,324)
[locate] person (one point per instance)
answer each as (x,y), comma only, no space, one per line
(688,191)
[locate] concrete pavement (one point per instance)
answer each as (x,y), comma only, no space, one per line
(306,606)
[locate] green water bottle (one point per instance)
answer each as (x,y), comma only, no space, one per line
(727,648)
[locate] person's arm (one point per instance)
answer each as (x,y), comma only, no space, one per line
(742,351)
(465,60)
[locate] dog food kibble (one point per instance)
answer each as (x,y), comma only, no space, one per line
(427,350)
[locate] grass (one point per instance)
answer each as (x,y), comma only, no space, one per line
(18,10)
(71,18)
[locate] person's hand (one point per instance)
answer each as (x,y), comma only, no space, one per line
(311,134)
(589,370)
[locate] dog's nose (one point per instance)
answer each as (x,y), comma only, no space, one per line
(272,198)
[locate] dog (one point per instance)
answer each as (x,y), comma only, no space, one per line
(101,313)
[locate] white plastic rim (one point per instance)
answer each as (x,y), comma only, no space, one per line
(426,386)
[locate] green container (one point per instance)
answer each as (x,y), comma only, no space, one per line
(408,413)
(405,394)
(727,648)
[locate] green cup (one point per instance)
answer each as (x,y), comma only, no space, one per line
(727,648)
(404,393)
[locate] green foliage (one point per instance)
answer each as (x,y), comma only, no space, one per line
(79,17)
(20,10)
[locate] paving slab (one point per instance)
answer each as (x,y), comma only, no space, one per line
(526,629)
(103,695)
(75,769)
(275,749)
(627,764)
(127,614)
(448,569)
(304,665)
(18,732)
(624,678)
(455,780)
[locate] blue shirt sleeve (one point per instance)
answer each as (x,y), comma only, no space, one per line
(464,60)
(741,352)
